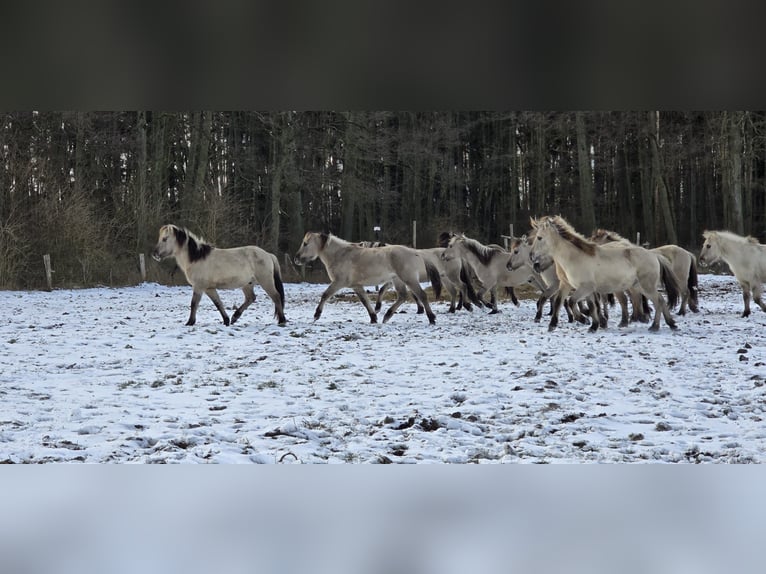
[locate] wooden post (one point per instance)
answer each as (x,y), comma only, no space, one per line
(48,271)
(638,238)
(510,227)
(142,267)
(414,233)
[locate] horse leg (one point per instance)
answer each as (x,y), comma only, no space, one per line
(592,304)
(420,307)
(249,299)
(601,310)
(661,308)
(213,294)
(381,292)
(196,296)
(418,292)
(623,301)
(331,290)
(493,300)
(560,296)
(757,291)
(540,306)
(401,297)
(360,292)
(684,300)
(746,299)
(272,284)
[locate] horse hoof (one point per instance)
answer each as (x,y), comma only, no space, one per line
(654,328)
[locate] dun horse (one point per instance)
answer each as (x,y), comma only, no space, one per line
(349,265)
(546,273)
(453,276)
(490,263)
(683,262)
(208,268)
(746,259)
(591,269)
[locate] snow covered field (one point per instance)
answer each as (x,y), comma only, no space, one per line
(113,375)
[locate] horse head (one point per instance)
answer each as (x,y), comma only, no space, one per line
(312,244)
(170,237)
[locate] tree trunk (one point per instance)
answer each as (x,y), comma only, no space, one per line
(661,191)
(141,188)
(734,187)
(588,218)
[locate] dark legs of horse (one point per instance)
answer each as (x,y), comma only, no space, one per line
(196,296)
(623,301)
(493,300)
(249,299)
(417,291)
(331,290)
(360,292)
(757,292)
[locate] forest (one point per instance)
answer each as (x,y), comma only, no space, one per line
(92,188)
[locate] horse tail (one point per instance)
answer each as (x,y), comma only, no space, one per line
(279,286)
(670,281)
(435,278)
(469,290)
(691,284)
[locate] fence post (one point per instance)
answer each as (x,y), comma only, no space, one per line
(638,238)
(142,267)
(48,271)
(414,233)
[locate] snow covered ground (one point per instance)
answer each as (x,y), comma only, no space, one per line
(113,375)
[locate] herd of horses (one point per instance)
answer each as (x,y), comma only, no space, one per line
(585,275)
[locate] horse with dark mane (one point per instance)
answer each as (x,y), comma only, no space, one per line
(591,269)
(350,265)
(208,268)
(490,265)
(684,266)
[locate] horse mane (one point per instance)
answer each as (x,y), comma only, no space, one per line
(484,253)
(567,232)
(607,235)
(444,237)
(731,236)
(196,247)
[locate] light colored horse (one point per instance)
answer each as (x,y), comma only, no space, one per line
(349,265)
(453,276)
(746,258)
(490,264)
(546,274)
(208,268)
(683,262)
(590,269)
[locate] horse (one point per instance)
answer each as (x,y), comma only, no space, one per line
(546,273)
(453,277)
(490,263)
(746,258)
(590,269)
(349,265)
(208,268)
(683,262)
